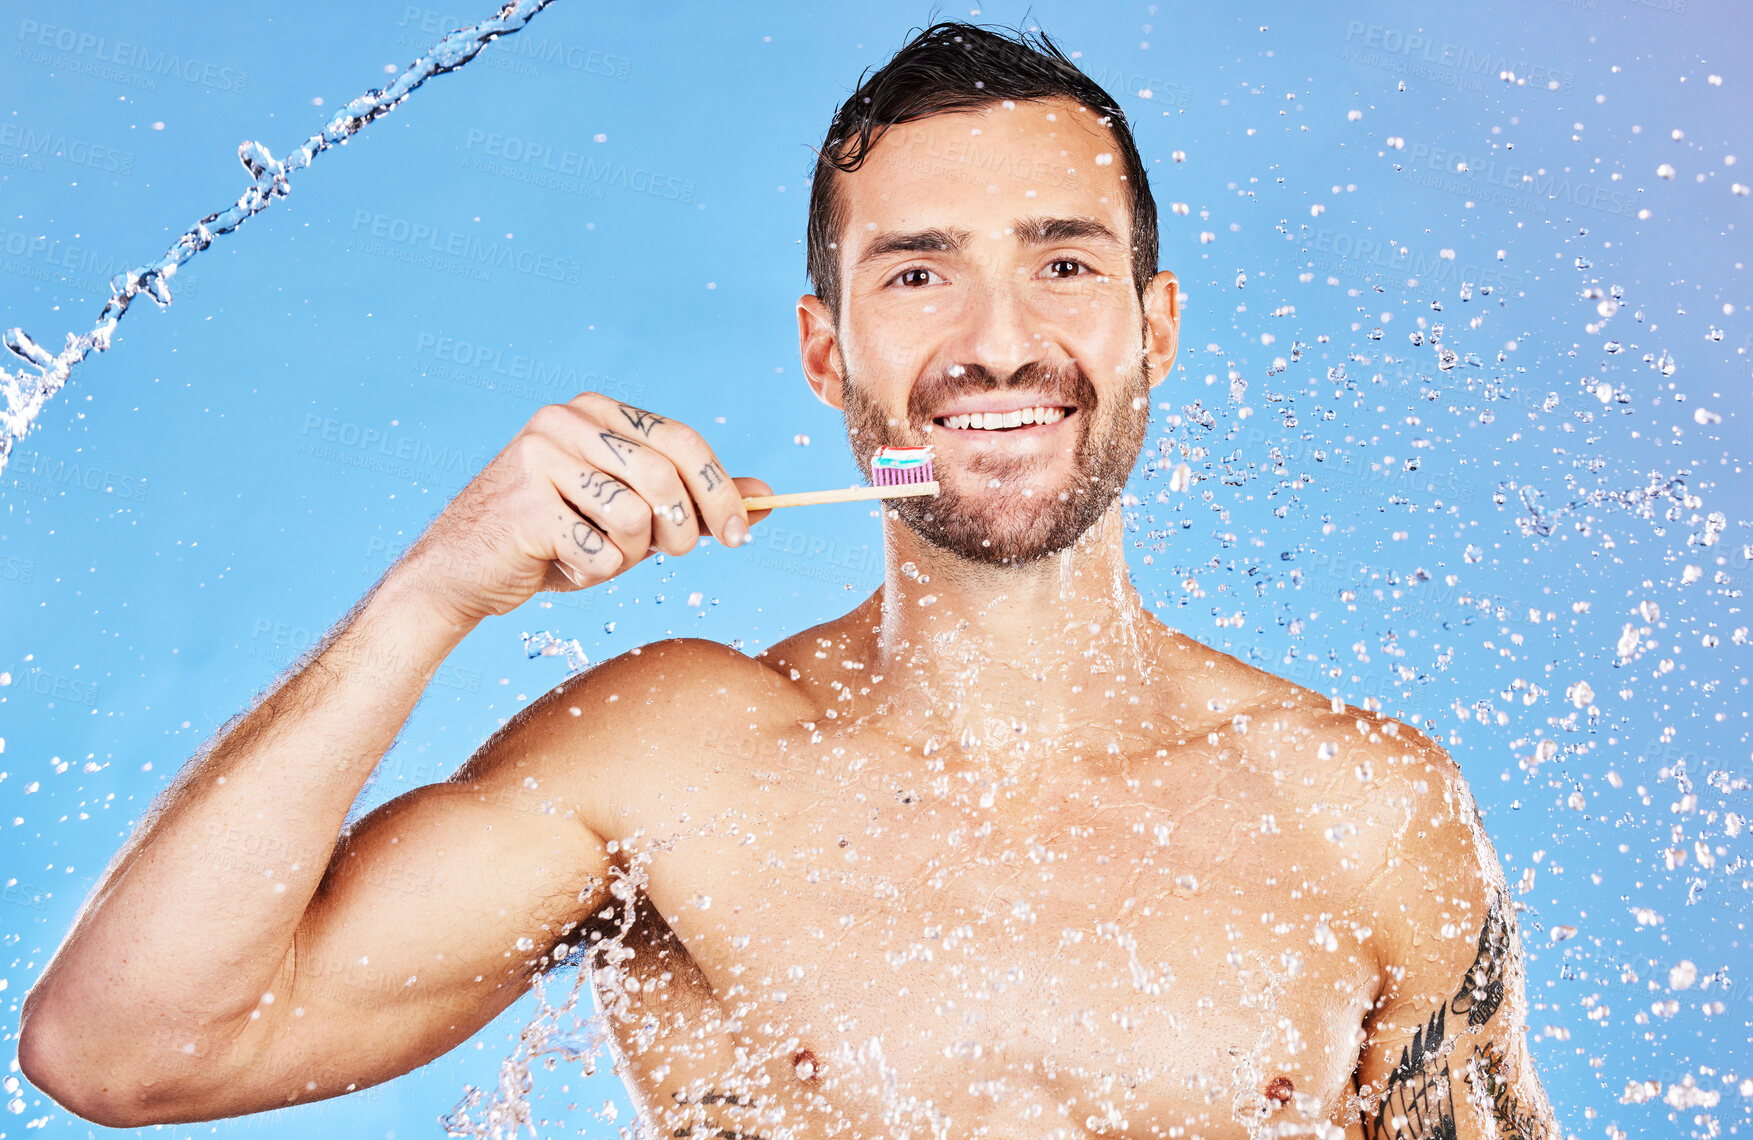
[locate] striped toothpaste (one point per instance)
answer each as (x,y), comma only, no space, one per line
(893,466)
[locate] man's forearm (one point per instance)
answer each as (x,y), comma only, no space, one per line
(193,918)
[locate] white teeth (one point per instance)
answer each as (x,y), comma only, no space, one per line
(992,421)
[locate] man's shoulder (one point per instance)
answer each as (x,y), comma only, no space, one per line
(1387,757)
(1412,831)
(684,677)
(1393,806)
(659,699)
(1388,776)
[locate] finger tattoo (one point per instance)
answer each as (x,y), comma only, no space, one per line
(602,488)
(588,538)
(642,421)
(619,444)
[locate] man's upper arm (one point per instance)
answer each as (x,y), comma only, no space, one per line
(1447,1052)
(437,910)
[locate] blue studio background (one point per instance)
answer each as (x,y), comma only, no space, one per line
(1466,355)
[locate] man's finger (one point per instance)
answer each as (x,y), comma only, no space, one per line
(651,477)
(611,507)
(632,435)
(748,487)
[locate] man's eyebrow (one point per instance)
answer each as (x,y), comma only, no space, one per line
(916,241)
(1030,231)
(1053,231)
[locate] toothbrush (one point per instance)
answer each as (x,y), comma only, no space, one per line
(895,473)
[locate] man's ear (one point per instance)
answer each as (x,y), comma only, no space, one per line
(818,344)
(1162,325)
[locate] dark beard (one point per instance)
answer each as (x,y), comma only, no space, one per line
(997,525)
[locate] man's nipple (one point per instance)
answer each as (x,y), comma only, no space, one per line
(1280,1089)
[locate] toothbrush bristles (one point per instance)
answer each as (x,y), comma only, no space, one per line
(896,466)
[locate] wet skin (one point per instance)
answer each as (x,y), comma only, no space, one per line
(998,853)
(1080,926)
(995,854)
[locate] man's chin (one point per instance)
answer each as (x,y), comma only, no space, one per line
(1002,526)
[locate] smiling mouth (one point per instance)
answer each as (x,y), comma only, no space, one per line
(1039,415)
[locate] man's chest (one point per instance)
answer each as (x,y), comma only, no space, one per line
(1085,948)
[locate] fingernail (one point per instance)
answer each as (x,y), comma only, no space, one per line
(736,531)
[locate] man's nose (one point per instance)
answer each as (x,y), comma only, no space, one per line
(998,332)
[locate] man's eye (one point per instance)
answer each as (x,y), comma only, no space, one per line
(1065,267)
(913,278)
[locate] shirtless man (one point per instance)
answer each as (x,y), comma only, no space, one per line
(995,854)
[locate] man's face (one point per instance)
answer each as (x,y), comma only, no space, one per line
(985,272)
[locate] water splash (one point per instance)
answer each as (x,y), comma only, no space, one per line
(559,1031)
(26,392)
(546,644)
(1640,501)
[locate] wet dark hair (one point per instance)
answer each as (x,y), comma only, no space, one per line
(952,67)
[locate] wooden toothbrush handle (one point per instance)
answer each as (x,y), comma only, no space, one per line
(839,495)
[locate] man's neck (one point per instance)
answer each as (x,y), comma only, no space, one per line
(968,648)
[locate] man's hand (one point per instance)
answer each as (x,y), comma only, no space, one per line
(587,489)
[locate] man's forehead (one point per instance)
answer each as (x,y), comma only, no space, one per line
(984,171)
